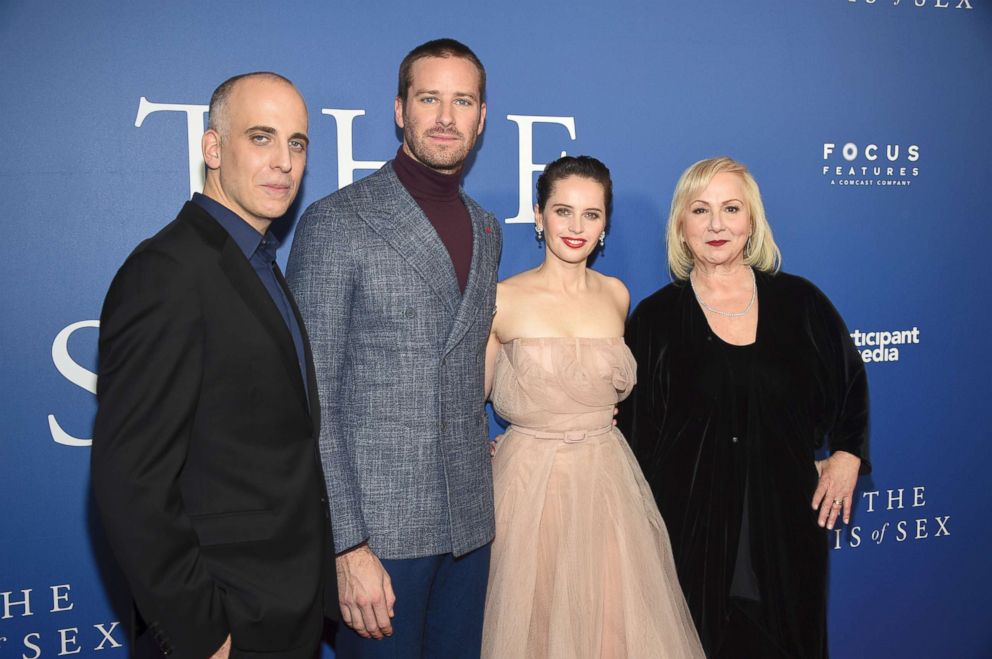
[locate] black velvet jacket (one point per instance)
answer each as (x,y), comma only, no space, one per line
(807,386)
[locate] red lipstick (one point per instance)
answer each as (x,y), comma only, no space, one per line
(574,243)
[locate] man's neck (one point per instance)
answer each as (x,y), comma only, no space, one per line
(214,192)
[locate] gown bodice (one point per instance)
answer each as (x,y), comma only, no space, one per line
(562,384)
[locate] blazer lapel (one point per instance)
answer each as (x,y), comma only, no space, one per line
(481,274)
(312,399)
(393,214)
(246,282)
(249,287)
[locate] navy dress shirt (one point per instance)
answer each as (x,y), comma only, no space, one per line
(260,250)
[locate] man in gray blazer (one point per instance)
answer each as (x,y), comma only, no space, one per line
(395,277)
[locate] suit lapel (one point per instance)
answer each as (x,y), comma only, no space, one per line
(314,403)
(249,287)
(246,282)
(481,274)
(393,214)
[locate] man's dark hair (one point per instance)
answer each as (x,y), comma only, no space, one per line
(439,48)
(584,166)
(218,100)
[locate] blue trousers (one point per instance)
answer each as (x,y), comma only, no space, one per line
(439,605)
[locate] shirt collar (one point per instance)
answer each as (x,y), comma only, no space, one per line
(245,236)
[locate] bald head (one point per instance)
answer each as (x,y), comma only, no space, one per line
(218,115)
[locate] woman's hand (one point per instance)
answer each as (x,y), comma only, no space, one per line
(835,491)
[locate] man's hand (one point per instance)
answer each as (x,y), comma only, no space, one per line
(224,651)
(365,593)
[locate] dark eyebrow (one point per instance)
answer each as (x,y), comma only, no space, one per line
(436,92)
(569,206)
(269,130)
(261,129)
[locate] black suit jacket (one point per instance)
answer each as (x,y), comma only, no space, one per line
(204,465)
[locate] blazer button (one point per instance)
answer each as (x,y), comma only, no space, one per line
(734,439)
(410,313)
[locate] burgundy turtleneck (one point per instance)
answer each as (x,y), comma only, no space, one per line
(438,196)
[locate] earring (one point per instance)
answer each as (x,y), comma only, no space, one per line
(747,248)
(602,239)
(539,235)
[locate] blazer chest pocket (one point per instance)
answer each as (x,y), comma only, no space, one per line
(229,528)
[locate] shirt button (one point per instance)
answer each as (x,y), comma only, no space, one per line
(734,439)
(444,426)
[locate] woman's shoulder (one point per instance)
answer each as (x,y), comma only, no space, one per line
(663,299)
(517,280)
(614,286)
(793,287)
(513,284)
(658,314)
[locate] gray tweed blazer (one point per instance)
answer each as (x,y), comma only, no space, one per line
(399,354)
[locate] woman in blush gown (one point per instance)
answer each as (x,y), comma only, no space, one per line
(581,564)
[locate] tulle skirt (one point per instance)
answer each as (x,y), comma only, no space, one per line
(581,563)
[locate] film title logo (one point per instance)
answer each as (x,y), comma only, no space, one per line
(348,164)
(875,165)
(929,4)
(70,638)
(897,516)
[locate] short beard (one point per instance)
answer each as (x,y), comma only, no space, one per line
(443,162)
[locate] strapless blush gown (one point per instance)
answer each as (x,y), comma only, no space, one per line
(581,564)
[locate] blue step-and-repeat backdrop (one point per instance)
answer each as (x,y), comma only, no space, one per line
(866,122)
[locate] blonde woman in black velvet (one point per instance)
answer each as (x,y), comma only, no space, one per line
(744,374)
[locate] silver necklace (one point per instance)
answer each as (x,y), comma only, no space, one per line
(728,314)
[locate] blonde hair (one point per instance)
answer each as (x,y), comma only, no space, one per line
(760,252)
